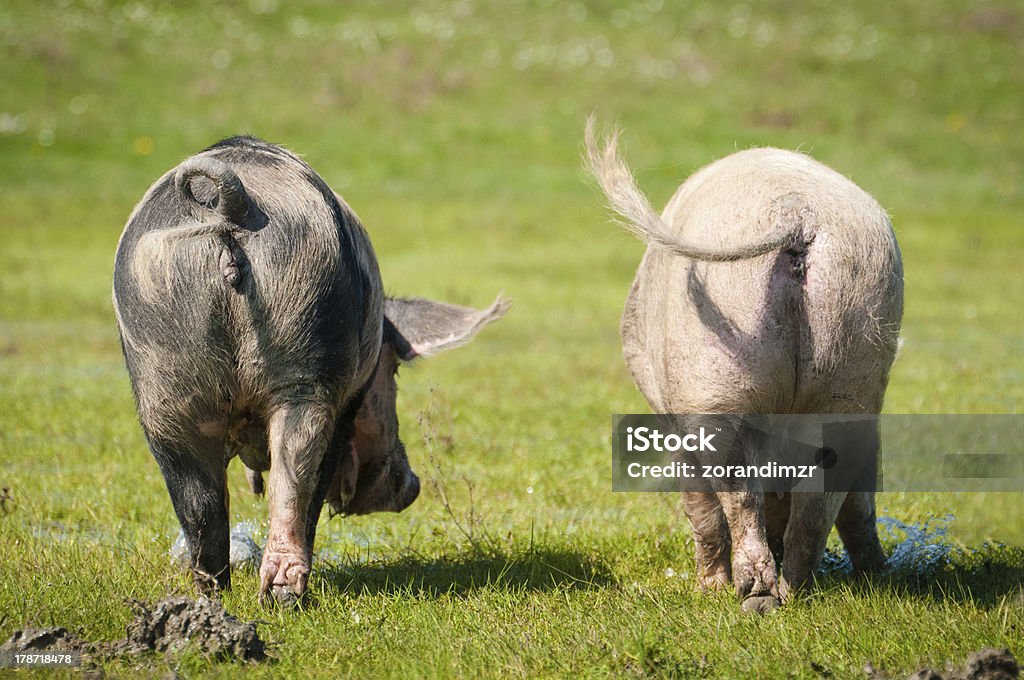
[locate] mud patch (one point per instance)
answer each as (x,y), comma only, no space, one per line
(171,625)
(168,626)
(987,664)
(45,640)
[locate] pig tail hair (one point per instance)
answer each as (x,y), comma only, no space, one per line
(626,199)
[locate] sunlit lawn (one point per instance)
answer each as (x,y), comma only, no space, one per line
(454,130)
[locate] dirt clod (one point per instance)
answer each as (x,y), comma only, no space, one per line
(44,640)
(991,664)
(759,604)
(167,626)
(170,625)
(986,664)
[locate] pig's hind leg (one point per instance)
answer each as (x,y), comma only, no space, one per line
(298,434)
(753,566)
(857,527)
(811,517)
(710,539)
(776,516)
(340,445)
(195,474)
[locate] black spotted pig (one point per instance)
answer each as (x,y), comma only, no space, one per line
(254,322)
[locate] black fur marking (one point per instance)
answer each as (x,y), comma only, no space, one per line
(799,265)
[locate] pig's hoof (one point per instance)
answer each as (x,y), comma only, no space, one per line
(713,580)
(285,597)
(209,585)
(284,576)
(280,596)
(760,604)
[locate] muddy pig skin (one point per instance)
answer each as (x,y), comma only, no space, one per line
(254,323)
(771,284)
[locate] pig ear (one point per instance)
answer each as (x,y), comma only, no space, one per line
(416,327)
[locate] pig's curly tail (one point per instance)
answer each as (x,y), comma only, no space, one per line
(232,201)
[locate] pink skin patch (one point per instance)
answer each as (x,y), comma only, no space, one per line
(285,567)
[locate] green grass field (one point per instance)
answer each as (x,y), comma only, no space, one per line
(454,130)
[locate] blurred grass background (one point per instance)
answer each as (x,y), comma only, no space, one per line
(453,128)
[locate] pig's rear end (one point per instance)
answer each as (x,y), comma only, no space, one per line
(810,328)
(245,290)
(771,285)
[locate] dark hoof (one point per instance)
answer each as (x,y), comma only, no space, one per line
(208,585)
(760,604)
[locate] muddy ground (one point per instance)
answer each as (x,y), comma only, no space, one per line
(167,626)
(987,664)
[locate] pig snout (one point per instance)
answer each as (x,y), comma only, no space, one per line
(392,488)
(409,490)
(400,487)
